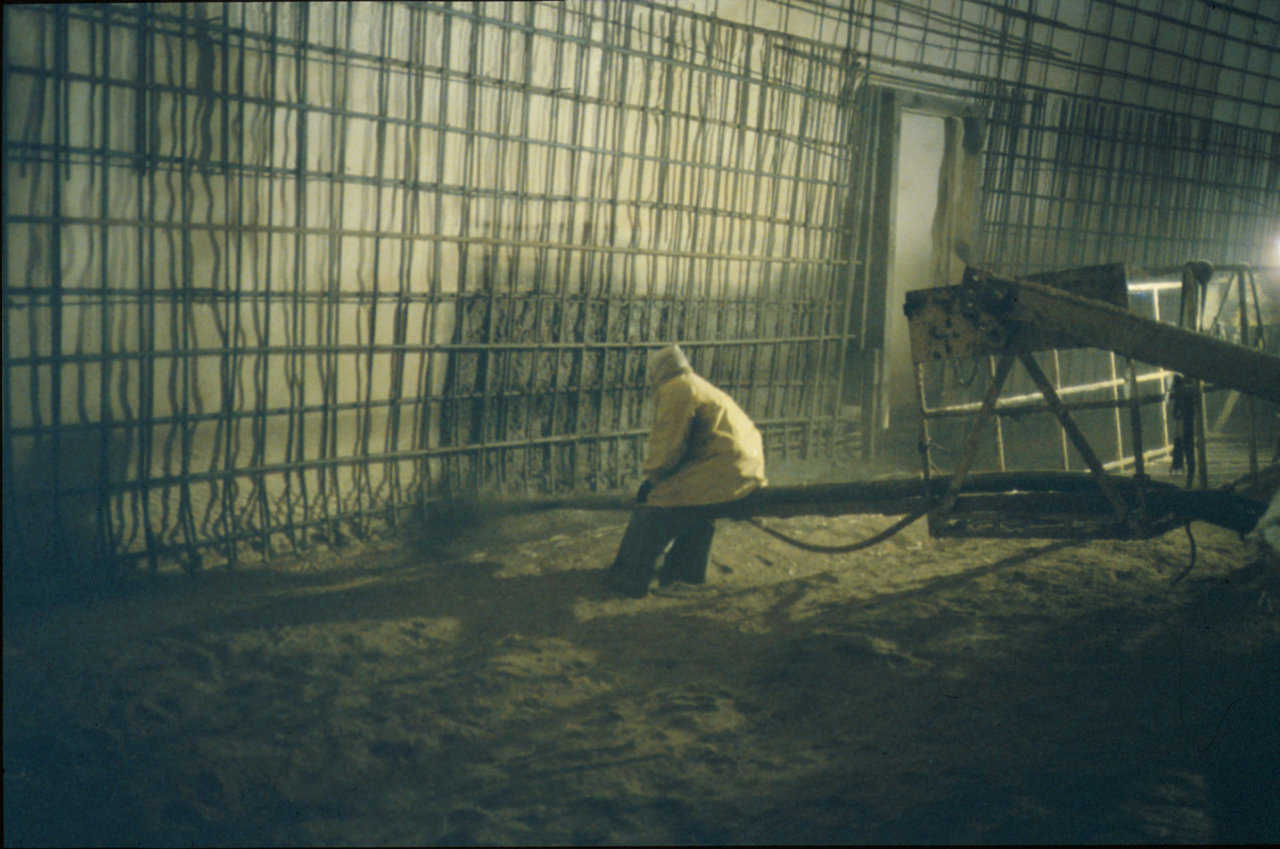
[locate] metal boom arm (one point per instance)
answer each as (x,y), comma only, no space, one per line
(1100,325)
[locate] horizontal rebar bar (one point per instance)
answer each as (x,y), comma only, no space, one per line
(1022,405)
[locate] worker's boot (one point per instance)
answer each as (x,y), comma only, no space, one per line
(626,584)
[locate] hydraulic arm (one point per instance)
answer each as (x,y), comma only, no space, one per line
(1097,324)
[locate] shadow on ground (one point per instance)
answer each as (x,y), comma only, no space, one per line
(488,691)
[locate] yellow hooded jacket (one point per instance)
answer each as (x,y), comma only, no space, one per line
(703,448)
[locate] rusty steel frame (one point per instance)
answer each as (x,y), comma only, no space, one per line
(987,315)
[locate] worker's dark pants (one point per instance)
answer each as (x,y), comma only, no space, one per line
(651,529)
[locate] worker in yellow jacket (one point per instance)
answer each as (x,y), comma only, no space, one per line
(703,449)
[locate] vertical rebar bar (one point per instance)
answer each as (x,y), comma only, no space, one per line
(55,268)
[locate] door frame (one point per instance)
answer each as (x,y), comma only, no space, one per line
(891,100)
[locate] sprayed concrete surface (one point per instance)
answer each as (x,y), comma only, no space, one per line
(475,684)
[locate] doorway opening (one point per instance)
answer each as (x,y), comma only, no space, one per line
(918,157)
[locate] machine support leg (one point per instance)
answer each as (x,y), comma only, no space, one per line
(926,452)
(1135,424)
(971,441)
(999,427)
(1077,438)
(1202,433)
(1253,440)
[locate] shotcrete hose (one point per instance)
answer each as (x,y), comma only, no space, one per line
(874,539)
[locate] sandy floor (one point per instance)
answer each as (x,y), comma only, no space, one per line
(485,689)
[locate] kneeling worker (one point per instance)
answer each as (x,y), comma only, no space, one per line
(703,449)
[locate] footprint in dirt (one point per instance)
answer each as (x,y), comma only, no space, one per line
(701,712)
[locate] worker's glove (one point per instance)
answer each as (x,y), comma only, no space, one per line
(642,494)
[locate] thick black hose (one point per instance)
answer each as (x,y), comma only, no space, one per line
(874,539)
(1191,565)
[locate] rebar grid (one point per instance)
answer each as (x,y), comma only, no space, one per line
(281,272)
(276,273)
(1116,131)
(1213,60)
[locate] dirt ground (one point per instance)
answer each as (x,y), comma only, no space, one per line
(479,686)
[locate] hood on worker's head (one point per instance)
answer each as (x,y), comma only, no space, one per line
(664,364)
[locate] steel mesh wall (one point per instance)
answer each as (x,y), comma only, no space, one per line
(1139,132)
(1118,130)
(1073,182)
(274,272)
